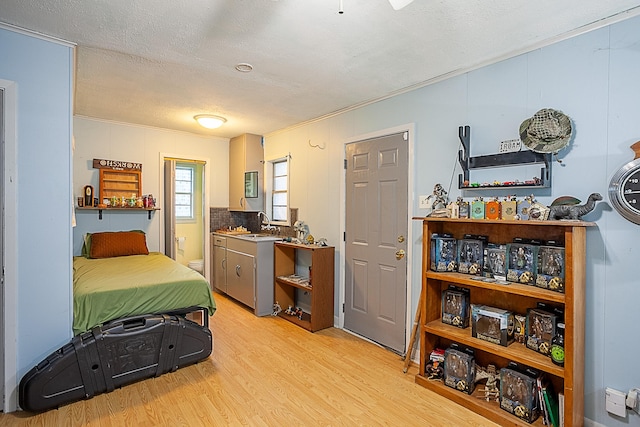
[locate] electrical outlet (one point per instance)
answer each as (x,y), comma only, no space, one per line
(633,400)
(615,402)
(424,202)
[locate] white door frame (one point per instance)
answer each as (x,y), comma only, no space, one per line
(10,249)
(206,188)
(410,128)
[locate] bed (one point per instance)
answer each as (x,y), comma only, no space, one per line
(118,277)
(130,322)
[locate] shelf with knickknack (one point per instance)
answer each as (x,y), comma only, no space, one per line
(518,158)
(305,270)
(435,334)
(100,210)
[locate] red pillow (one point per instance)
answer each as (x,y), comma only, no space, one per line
(118,243)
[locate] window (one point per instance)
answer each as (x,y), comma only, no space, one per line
(184,192)
(279,200)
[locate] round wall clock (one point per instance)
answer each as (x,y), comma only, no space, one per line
(624,188)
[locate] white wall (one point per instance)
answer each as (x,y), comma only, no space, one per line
(119,141)
(593,79)
(42,71)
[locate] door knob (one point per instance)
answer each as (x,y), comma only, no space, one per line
(400,254)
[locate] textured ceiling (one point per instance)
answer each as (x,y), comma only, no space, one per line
(160,62)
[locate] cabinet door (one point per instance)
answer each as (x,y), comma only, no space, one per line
(245,155)
(219,268)
(236,173)
(241,277)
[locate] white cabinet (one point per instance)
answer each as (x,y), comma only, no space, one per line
(246,173)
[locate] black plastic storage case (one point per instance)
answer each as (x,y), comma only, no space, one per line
(120,352)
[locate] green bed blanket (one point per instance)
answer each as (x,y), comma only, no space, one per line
(110,288)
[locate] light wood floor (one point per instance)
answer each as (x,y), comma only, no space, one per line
(265,371)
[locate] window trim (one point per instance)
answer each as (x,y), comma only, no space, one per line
(192,217)
(269,189)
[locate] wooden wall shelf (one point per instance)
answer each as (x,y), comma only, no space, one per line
(499,160)
(130,210)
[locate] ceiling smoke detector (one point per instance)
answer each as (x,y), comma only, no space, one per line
(243,67)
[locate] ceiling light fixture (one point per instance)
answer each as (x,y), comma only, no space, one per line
(243,67)
(209,121)
(399,4)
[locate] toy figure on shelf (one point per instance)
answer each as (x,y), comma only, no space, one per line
(434,370)
(290,311)
(302,230)
(491,389)
(568,207)
(276,309)
(439,202)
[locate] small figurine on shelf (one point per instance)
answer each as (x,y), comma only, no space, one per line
(435,370)
(276,309)
(439,202)
(568,208)
(290,311)
(301,230)
(298,313)
(491,389)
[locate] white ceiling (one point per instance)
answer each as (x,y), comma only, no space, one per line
(160,62)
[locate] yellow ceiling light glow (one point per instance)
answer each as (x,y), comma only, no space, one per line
(210,121)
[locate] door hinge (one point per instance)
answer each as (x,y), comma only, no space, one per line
(343,307)
(345,164)
(344,236)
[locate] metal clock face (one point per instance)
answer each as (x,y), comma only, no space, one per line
(624,191)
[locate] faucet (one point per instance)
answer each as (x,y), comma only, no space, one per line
(265,220)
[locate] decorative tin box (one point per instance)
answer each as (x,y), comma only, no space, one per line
(477,208)
(455,306)
(550,269)
(509,208)
(492,324)
(522,259)
(492,209)
(443,252)
(459,368)
(518,392)
(523,208)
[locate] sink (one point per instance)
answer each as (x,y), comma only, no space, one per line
(259,236)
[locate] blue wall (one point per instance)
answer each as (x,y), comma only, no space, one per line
(42,71)
(594,79)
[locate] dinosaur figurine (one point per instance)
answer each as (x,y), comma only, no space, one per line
(573,211)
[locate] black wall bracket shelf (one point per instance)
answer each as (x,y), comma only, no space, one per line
(499,160)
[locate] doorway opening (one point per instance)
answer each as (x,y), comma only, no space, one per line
(186,213)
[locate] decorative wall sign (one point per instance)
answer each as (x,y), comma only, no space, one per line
(510,146)
(116,165)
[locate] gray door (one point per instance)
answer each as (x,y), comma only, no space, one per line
(376,231)
(2,247)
